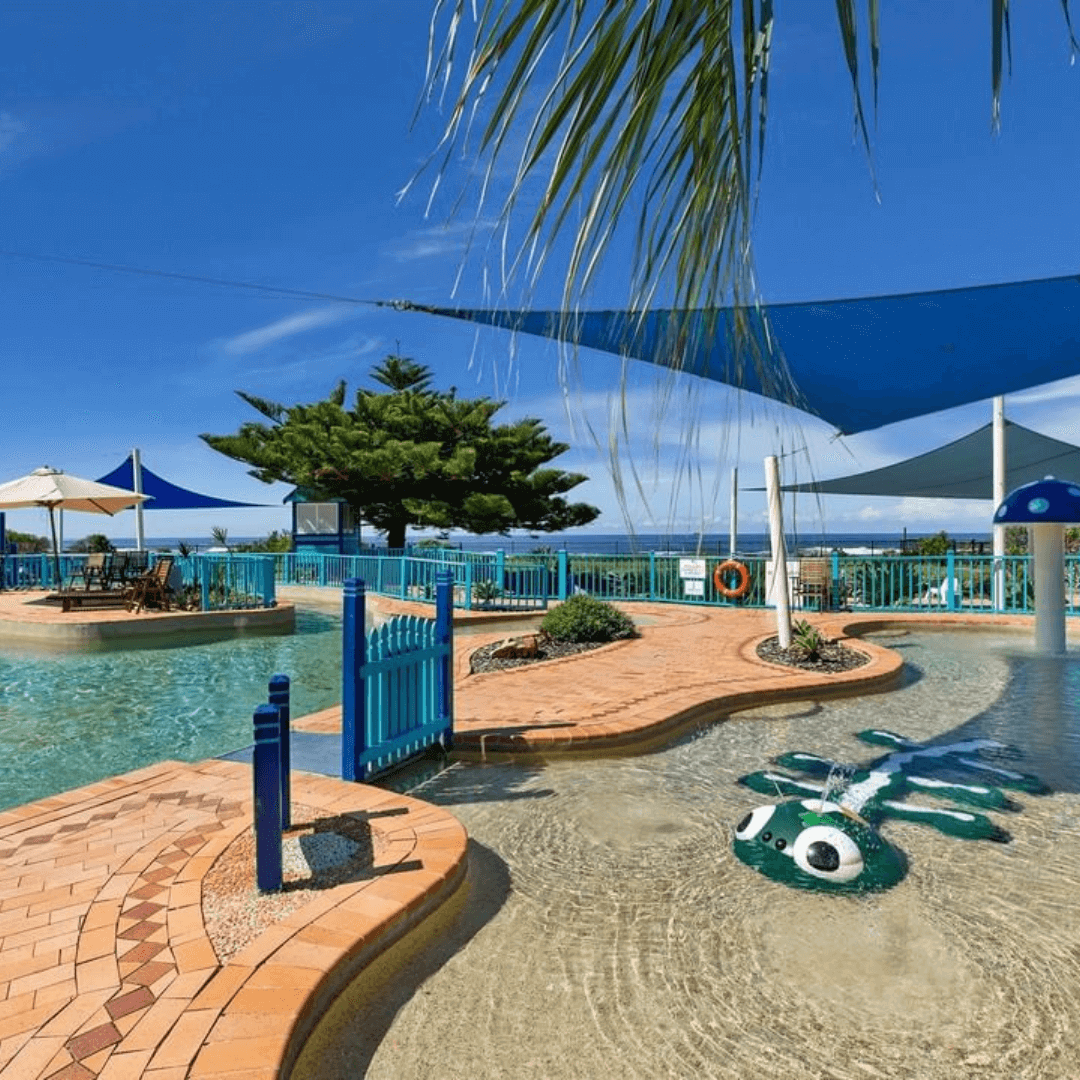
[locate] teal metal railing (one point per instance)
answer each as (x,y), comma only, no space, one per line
(223,582)
(494,580)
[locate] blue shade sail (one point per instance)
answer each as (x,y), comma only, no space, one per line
(857,364)
(164,495)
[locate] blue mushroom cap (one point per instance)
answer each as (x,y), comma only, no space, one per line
(1041,501)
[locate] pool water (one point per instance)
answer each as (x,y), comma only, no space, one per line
(610,931)
(70,717)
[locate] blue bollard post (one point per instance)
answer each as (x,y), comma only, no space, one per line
(444,636)
(279,697)
(266,767)
(563,573)
(353,703)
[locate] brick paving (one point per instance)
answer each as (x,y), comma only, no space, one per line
(106,967)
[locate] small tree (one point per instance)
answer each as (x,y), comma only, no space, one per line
(938,544)
(413,456)
(95,542)
(220,536)
(27,543)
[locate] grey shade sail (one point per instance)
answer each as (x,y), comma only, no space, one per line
(858,364)
(962,469)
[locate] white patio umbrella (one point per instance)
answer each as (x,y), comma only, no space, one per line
(54,488)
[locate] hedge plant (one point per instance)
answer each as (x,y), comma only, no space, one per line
(583,618)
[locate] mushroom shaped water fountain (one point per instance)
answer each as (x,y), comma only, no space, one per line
(1046,507)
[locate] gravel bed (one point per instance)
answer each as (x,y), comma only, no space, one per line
(317,853)
(832,656)
(481,660)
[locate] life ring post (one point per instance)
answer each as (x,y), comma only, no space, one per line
(722,574)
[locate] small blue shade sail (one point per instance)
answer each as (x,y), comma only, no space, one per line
(857,364)
(1042,502)
(164,495)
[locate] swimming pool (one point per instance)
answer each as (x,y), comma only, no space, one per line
(610,931)
(70,717)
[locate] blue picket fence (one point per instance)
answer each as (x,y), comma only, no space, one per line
(397,683)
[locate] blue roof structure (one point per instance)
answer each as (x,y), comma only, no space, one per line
(164,495)
(857,364)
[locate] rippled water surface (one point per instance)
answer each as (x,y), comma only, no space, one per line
(70,717)
(610,932)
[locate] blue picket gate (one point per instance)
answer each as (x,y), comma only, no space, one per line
(397,693)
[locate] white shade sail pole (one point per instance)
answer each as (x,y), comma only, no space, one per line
(999,496)
(136,483)
(733,527)
(778,587)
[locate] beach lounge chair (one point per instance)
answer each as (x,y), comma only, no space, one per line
(151,587)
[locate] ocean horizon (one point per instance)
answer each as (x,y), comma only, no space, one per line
(749,543)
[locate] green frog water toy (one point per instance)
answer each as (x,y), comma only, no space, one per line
(827,838)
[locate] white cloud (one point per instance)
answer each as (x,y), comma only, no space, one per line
(254,340)
(1051,393)
(441,240)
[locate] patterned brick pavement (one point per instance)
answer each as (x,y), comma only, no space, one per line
(106,968)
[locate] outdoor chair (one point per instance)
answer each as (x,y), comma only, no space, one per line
(814,587)
(136,563)
(114,570)
(151,587)
(94,570)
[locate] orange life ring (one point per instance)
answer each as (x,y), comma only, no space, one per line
(722,586)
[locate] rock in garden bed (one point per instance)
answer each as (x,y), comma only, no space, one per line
(483,659)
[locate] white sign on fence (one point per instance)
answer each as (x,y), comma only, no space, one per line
(693,587)
(692,568)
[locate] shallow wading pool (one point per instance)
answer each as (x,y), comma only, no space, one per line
(610,932)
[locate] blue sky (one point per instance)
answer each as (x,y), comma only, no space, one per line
(266,143)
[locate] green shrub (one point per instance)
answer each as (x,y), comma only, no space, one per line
(809,640)
(584,618)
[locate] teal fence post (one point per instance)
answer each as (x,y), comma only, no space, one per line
(834,589)
(500,570)
(444,637)
(322,568)
(203,565)
(266,590)
(468,586)
(404,577)
(950,580)
(353,701)
(652,575)
(562,573)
